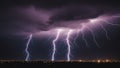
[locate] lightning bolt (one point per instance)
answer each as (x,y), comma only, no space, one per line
(104,31)
(94,39)
(76,36)
(110,23)
(54,45)
(68,44)
(27,46)
(83,37)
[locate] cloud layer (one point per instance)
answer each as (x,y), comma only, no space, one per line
(32,19)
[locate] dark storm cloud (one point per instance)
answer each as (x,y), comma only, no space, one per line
(17,16)
(24,18)
(34,17)
(74,13)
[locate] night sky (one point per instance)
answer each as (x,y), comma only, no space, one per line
(18,19)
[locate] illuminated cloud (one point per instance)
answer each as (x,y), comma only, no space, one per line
(31,19)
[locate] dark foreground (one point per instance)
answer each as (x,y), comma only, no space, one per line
(44,64)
